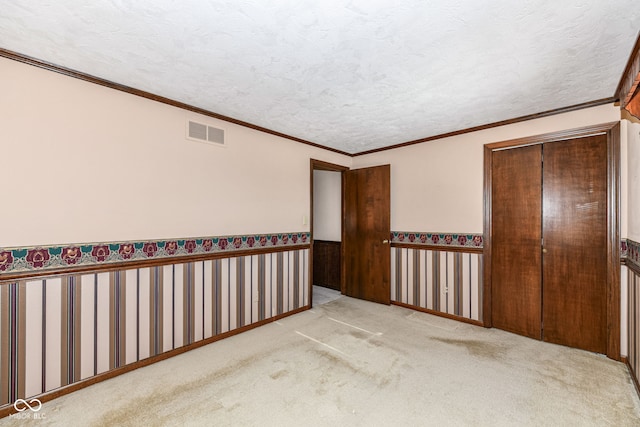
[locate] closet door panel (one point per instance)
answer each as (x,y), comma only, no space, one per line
(516,240)
(575,243)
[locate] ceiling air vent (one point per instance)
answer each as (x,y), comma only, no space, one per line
(204,133)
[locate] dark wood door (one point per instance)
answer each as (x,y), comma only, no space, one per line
(367,252)
(575,243)
(549,242)
(516,259)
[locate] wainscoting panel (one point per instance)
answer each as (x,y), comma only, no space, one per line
(439,281)
(59,330)
(633,318)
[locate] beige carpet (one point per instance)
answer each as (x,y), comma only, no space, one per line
(351,363)
(322,295)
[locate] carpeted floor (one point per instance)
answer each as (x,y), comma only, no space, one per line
(354,363)
(322,295)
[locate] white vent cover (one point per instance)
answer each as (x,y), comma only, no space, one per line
(204,133)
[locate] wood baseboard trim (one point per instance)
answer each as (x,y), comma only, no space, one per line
(634,379)
(438,313)
(8,409)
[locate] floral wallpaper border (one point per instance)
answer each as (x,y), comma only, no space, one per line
(438,239)
(42,258)
(628,248)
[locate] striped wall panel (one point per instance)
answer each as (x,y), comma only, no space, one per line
(633,318)
(441,281)
(63,329)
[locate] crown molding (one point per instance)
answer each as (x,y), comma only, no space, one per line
(133,91)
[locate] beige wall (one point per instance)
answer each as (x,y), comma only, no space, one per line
(633,180)
(84,163)
(438,186)
(327,205)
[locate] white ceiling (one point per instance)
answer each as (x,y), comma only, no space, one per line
(353,75)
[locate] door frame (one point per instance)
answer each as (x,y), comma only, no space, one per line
(612,130)
(330,167)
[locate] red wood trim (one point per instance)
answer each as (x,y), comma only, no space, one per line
(633,106)
(626,79)
(9,277)
(112,85)
(438,313)
(584,105)
(464,249)
(45,397)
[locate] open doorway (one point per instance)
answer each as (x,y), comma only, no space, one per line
(364,264)
(327,231)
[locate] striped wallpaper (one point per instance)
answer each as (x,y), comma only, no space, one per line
(441,281)
(67,328)
(633,319)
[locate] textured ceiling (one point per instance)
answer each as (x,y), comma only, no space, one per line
(352,75)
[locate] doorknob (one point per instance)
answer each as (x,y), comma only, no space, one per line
(385,241)
(544,251)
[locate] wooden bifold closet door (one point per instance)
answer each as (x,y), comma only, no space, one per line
(574,231)
(549,241)
(517,234)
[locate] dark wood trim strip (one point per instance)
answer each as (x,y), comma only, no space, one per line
(4,278)
(631,266)
(632,374)
(7,410)
(553,136)
(331,167)
(122,88)
(487,238)
(438,313)
(312,162)
(326,166)
(463,249)
(613,242)
(627,78)
(582,106)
